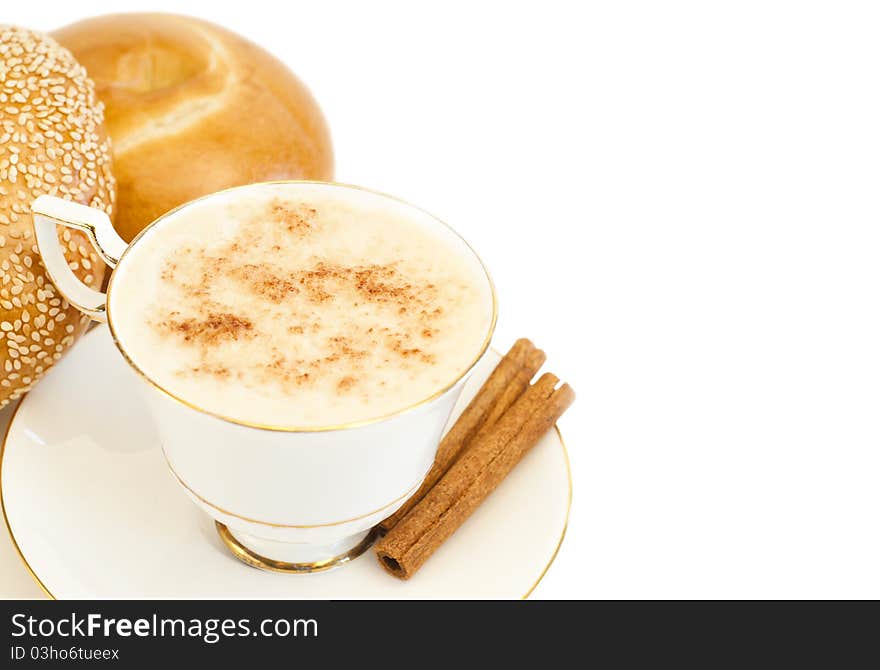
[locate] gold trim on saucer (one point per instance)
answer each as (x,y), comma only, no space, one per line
(302,429)
(567,515)
(254,560)
(411,490)
(15,546)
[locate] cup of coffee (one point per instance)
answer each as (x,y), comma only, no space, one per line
(301,347)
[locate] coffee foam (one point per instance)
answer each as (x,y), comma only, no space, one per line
(305,305)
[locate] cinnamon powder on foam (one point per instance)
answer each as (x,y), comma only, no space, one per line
(278,307)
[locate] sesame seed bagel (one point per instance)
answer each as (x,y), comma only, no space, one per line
(193,108)
(51,142)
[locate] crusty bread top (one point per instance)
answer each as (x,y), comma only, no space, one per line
(193,108)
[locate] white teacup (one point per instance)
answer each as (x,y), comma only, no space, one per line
(294,499)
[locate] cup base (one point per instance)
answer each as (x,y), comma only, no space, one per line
(294,558)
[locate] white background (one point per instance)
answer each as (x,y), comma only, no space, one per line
(679,203)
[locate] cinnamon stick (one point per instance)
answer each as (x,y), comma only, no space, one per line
(485,464)
(504,385)
(530,360)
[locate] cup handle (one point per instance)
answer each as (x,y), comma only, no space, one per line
(49,212)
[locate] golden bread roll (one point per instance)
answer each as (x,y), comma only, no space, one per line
(52,141)
(193,108)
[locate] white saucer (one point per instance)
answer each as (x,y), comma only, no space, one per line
(95,513)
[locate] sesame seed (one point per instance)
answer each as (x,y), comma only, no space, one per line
(51,142)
